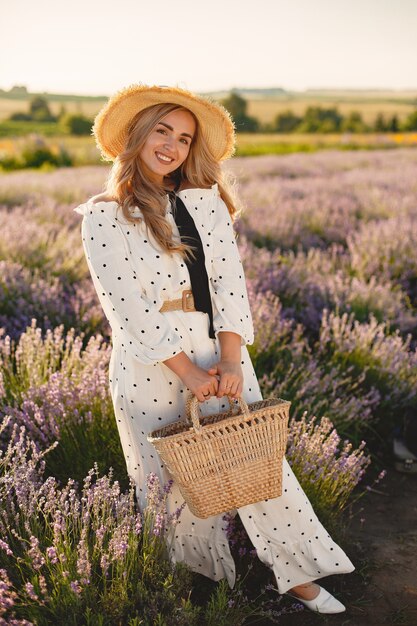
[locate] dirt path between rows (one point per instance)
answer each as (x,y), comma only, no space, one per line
(383,588)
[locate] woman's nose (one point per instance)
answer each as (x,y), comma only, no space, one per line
(169,144)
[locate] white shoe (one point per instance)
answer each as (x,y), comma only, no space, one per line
(323,603)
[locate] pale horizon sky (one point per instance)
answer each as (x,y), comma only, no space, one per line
(92,47)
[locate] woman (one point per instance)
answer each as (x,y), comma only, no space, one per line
(161,250)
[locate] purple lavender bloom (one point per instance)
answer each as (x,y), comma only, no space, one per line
(76,587)
(158,525)
(52,554)
(5,546)
(31,591)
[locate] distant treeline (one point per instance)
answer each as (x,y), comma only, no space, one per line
(39,111)
(316,119)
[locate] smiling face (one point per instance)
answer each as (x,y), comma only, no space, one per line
(168,144)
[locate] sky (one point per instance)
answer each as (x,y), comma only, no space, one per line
(96,47)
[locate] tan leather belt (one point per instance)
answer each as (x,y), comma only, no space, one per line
(186,303)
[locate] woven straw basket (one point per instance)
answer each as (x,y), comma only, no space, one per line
(226,460)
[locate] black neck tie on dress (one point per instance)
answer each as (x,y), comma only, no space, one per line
(196,268)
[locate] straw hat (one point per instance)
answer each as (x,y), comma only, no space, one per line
(111,123)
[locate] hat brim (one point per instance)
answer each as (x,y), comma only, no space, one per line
(111,123)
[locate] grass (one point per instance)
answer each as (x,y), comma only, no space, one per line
(15,128)
(273,143)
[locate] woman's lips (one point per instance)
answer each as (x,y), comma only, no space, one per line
(163,158)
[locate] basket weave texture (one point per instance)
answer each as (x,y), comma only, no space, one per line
(226,460)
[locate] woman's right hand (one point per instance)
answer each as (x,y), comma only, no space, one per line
(200,383)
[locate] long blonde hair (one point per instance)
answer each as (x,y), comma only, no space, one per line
(129,187)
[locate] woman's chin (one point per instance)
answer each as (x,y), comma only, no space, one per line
(162,171)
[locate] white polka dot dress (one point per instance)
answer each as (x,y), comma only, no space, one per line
(132,277)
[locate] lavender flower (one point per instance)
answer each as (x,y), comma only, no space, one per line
(5,546)
(52,554)
(35,554)
(314,454)
(31,592)
(158,525)
(75,586)
(327,242)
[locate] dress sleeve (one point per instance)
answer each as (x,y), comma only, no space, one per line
(231,310)
(145,332)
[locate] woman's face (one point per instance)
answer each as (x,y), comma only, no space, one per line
(168,144)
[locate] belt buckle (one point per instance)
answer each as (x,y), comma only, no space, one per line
(187,300)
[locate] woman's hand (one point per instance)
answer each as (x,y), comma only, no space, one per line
(223,378)
(231,378)
(200,382)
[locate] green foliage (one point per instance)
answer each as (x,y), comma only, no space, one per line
(411,121)
(237,107)
(388,125)
(256,149)
(354,123)
(320,120)
(36,154)
(20,117)
(76,124)
(18,91)
(286,122)
(39,110)
(394,124)
(381,125)
(22,128)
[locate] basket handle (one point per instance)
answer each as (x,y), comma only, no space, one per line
(192,409)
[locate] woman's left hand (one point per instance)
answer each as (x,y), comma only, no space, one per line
(230,378)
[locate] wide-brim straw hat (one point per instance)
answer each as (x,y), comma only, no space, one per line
(112,122)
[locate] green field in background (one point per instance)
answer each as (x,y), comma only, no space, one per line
(83,150)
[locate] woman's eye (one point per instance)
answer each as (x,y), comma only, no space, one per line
(164,132)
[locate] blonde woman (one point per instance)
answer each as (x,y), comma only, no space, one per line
(161,249)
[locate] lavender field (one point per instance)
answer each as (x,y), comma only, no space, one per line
(328,243)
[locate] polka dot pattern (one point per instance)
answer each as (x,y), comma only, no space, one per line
(132,277)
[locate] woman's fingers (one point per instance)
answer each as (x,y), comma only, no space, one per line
(223,384)
(234,392)
(214,386)
(228,387)
(209,390)
(233,389)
